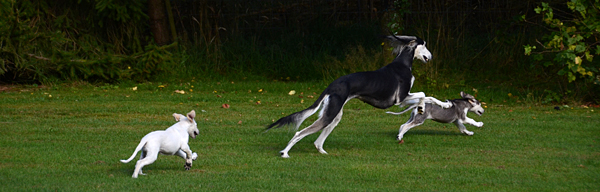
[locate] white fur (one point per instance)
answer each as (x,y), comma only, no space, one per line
(172,141)
(324,134)
(419,99)
(422,53)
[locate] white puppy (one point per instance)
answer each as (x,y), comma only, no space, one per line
(172,141)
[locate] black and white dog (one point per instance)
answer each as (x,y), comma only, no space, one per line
(383,88)
(456,114)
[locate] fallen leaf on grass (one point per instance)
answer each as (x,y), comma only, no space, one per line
(226,106)
(292,92)
(180,91)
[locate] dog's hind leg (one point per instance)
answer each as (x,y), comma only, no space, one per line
(151,156)
(415,120)
(319,142)
(315,127)
(330,110)
(142,156)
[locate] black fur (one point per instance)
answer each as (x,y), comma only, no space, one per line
(382,88)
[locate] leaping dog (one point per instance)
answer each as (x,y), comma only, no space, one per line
(172,141)
(382,88)
(456,114)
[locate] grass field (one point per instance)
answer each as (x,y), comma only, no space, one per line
(70,138)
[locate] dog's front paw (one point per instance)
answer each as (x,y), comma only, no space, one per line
(479,124)
(187,166)
(194,156)
(468,132)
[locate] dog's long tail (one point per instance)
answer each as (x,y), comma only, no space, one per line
(137,149)
(405,110)
(297,118)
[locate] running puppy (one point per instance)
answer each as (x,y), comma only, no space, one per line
(456,114)
(382,88)
(172,141)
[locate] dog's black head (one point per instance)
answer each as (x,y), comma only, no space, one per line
(400,43)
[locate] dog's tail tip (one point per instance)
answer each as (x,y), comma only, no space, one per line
(124,161)
(274,125)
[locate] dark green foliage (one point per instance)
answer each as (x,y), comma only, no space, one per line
(572,41)
(67,42)
(569,45)
(474,43)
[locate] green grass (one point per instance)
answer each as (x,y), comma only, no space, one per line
(70,138)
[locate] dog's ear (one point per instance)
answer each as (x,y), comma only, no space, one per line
(177,116)
(473,101)
(466,95)
(191,115)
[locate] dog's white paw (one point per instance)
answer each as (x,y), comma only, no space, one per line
(479,124)
(468,132)
(194,156)
(446,105)
(284,154)
(322,151)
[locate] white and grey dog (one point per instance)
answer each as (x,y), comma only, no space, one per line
(456,114)
(172,141)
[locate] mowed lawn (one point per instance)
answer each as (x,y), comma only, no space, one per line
(71,138)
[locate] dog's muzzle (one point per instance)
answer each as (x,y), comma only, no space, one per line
(479,112)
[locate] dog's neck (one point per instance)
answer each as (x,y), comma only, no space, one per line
(403,61)
(182,128)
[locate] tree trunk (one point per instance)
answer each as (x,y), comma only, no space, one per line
(158,22)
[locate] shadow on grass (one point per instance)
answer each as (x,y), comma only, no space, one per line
(422,132)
